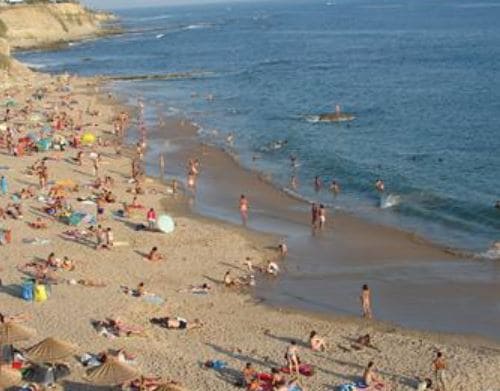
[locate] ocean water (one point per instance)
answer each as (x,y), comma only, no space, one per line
(422,79)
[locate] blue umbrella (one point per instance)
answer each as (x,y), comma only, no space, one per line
(165,224)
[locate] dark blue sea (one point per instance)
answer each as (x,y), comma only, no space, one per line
(422,79)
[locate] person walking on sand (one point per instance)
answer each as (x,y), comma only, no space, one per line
(151,216)
(292,358)
(3,185)
(109,238)
(366,305)
(244,209)
(439,371)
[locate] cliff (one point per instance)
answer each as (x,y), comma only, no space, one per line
(44,25)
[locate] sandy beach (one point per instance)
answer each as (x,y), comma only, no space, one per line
(237,329)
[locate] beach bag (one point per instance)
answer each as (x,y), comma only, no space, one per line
(27,291)
(347,387)
(40,293)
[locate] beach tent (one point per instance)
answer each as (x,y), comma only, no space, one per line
(9,377)
(112,373)
(51,350)
(88,138)
(11,332)
(44,144)
(165,224)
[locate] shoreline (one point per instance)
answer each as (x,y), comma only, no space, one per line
(181,136)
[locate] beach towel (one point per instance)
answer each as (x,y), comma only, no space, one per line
(153,299)
(347,387)
(304,369)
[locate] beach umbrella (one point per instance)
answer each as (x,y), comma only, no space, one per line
(165,224)
(11,332)
(88,138)
(112,373)
(170,387)
(9,377)
(50,350)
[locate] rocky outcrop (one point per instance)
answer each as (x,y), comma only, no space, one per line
(43,25)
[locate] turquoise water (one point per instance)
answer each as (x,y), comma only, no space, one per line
(421,77)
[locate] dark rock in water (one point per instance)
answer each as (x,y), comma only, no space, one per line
(336,117)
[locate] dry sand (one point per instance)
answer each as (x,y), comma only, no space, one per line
(237,329)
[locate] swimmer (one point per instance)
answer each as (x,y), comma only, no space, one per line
(497,204)
(335,187)
(380,185)
(272,268)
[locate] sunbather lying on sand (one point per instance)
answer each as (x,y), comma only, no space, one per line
(91,283)
(363,341)
(177,323)
(117,328)
(38,224)
(137,292)
(146,383)
(14,318)
(197,289)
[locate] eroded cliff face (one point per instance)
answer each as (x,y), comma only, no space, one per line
(38,26)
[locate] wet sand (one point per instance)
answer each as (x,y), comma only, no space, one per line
(415,283)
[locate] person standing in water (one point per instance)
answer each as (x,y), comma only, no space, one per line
(317,183)
(337,110)
(366,302)
(314,215)
(162,165)
(335,187)
(244,209)
(380,185)
(321,216)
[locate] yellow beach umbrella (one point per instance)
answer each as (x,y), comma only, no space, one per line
(88,138)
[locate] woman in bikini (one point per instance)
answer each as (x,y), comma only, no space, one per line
(244,209)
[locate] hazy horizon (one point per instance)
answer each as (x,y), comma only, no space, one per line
(117,4)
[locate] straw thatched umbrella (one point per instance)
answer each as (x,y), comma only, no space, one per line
(9,377)
(11,332)
(170,387)
(112,373)
(50,350)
